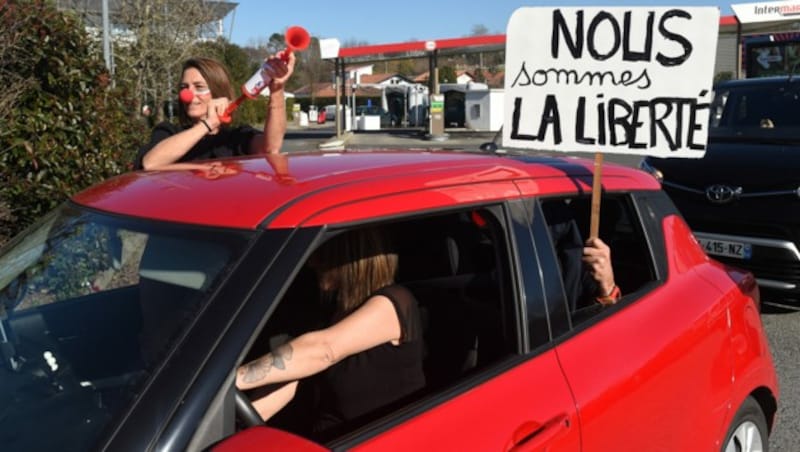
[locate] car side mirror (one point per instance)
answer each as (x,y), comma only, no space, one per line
(265,438)
(491,146)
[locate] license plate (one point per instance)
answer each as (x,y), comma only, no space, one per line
(725,248)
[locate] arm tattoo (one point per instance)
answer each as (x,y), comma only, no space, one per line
(258,369)
(281,354)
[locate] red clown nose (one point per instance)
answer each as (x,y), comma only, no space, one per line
(186,95)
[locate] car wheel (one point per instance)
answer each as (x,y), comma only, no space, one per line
(245,410)
(748,431)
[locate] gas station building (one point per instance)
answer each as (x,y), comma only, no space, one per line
(759,39)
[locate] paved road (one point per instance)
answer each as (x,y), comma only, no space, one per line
(782,322)
(311,138)
(781,319)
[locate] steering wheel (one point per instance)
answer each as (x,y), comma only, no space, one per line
(245,410)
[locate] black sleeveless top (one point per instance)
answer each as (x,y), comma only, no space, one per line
(230,141)
(368,381)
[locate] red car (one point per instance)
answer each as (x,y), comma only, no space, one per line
(125,312)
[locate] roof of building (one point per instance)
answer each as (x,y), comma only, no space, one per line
(327,89)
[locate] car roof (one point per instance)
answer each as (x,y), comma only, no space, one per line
(745,82)
(328,188)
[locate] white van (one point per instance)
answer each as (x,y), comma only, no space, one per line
(330,112)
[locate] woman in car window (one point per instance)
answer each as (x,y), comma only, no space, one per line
(368,356)
(586,265)
(202,134)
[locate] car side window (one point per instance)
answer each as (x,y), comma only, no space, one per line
(457,267)
(620,228)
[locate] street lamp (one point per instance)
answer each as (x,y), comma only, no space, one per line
(353,106)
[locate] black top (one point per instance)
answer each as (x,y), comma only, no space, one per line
(365,382)
(230,141)
(579,286)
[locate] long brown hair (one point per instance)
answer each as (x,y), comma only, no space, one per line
(360,262)
(215,75)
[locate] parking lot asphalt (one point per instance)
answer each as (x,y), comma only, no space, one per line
(323,136)
(781,318)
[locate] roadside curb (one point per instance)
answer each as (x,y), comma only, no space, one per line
(334,143)
(438,137)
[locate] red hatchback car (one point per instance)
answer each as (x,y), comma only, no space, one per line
(125,312)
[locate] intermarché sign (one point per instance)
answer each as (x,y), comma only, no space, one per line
(766,11)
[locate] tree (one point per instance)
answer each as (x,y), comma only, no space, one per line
(309,67)
(484,59)
(68,127)
(353,42)
(157,39)
(479,76)
(447,74)
(238,62)
(479,30)
(404,67)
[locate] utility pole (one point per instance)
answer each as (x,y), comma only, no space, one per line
(107,39)
(338,83)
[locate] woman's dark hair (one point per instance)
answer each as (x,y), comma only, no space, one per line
(360,261)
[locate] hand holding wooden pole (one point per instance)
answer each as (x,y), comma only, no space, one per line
(597,191)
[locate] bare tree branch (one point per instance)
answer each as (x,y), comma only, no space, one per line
(157,36)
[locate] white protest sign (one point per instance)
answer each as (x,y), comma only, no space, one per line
(633,80)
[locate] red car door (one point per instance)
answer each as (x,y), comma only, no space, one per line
(654,373)
(521,403)
(526,408)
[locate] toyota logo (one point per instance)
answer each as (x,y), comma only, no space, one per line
(722,194)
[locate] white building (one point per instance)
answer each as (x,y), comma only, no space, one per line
(483,108)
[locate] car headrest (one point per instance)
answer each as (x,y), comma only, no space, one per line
(181,262)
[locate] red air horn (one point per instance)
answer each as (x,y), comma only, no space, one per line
(297,38)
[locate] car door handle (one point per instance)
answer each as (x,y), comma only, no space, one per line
(532,435)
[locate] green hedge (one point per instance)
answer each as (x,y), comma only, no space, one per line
(70,127)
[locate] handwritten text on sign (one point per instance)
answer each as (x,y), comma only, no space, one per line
(617,80)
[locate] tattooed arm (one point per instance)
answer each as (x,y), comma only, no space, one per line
(374,323)
(284,364)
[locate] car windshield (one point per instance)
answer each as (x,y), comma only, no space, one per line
(89,305)
(765,112)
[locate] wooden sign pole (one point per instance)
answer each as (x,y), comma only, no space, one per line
(597,189)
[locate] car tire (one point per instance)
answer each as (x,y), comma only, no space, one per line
(748,431)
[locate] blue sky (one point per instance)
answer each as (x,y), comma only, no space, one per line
(383,22)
